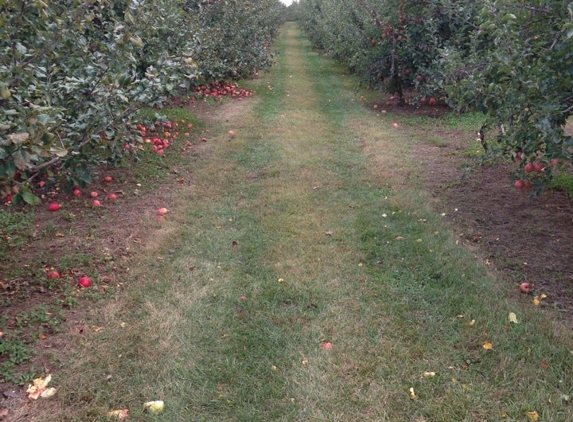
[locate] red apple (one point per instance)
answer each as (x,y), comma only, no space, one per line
(162,211)
(108,178)
(525,287)
(53,275)
(529,167)
(96,203)
(518,155)
(94,194)
(77,192)
(85,281)
(519,184)
(54,206)
(553,162)
(538,167)
(432,101)
(112,196)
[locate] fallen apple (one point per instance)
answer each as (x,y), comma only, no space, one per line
(96,203)
(53,275)
(85,281)
(108,178)
(162,211)
(94,194)
(155,406)
(525,287)
(112,196)
(77,192)
(54,206)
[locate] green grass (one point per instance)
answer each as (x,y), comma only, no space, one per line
(302,229)
(563,181)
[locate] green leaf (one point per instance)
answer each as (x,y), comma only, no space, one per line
(43,119)
(30,198)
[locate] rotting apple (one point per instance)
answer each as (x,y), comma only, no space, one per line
(53,274)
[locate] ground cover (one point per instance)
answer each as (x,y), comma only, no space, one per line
(310,267)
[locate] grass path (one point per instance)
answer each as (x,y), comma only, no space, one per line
(300,230)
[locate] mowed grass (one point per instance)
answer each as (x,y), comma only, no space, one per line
(303,229)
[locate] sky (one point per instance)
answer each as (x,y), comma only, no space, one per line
(287,2)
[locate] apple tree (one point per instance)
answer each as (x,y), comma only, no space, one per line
(73,74)
(518,70)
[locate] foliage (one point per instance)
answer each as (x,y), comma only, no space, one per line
(74,72)
(519,73)
(392,44)
(509,59)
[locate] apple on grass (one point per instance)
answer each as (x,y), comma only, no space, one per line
(155,406)
(53,275)
(85,281)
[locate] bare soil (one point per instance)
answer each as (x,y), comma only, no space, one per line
(524,237)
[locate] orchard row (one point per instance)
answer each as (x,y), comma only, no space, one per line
(509,59)
(73,75)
